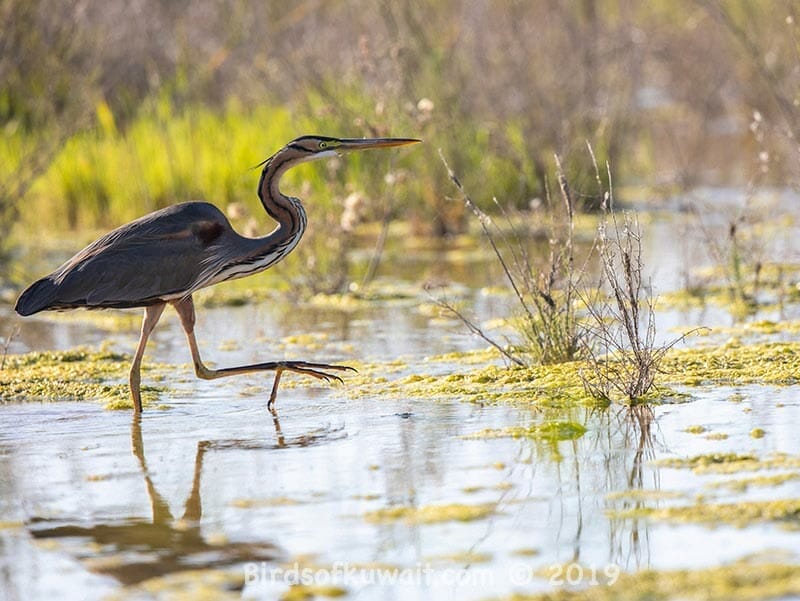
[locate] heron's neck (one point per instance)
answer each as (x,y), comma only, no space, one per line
(288,212)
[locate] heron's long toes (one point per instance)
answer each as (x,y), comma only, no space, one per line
(337,368)
(321,366)
(328,377)
(315,373)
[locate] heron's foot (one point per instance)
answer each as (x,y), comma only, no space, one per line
(315,370)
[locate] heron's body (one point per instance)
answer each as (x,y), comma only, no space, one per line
(160,257)
(167,255)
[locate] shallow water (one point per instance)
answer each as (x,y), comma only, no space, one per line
(94,504)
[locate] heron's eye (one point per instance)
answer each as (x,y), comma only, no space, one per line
(323,145)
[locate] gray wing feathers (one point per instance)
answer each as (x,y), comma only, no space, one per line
(161,254)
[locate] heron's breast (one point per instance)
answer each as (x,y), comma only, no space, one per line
(256,263)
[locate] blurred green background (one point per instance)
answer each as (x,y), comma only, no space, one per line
(112,109)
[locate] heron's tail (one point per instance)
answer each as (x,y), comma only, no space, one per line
(36,297)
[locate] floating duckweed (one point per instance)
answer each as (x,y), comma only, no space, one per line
(764,327)
(562,385)
(366,497)
(718,295)
(340,302)
(431,514)
(476,357)
(709,462)
(252,390)
(757,433)
(475,489)
(78,374)
(731,463)
(740,581)
(465,557)
(309,592)
(741,514)
(695,429)
(308,340)
(643,494)
(553,431)
(742,484)
(680,299)
(272,502)
(69,356)
(733,362)
(229,345)
(550,386)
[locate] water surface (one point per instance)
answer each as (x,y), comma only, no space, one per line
(94,503)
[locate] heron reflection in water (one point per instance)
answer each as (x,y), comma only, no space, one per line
(136,549)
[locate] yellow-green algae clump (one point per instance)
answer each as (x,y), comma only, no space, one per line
(309,592)
(552,431)
(697,429)
(199,584)
(734,362)
(785,512)
(464,557)
(740,514)
(552,385)
(740,581)
(743,484)
(271,502)
(78,374)
(431,514)
(731,463)
(481,378)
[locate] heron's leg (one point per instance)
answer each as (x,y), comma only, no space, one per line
(193,508)
(151,316)
(160,508)
(185,309)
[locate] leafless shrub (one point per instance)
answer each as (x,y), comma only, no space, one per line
(548,321)
(614,330)
(624,357)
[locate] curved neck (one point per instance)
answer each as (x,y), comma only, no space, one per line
(288,212)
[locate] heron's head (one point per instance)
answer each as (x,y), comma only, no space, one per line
(311,148)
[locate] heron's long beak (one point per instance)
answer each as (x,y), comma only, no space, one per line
(348,144)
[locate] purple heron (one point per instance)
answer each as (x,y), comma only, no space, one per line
(164,257)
